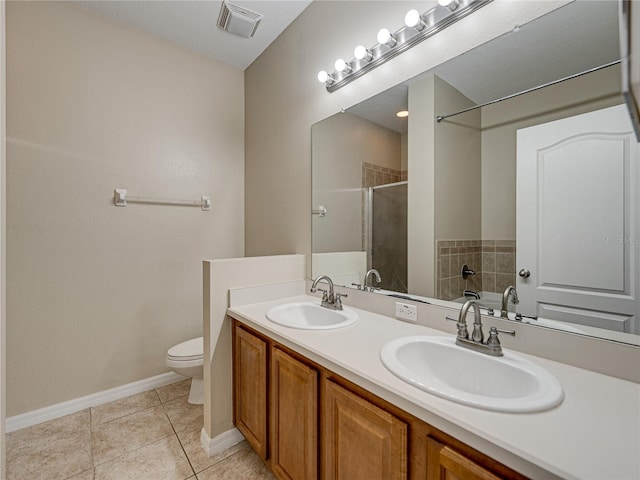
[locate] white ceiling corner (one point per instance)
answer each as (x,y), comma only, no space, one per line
(191,24)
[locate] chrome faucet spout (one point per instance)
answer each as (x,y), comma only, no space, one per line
(476,342)
(326,278)
(509,292)
(330,299)
(377,278)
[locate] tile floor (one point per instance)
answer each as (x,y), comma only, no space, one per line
(154,435)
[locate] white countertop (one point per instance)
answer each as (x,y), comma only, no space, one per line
(593,434)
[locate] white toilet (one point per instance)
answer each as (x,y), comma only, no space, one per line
(186,359)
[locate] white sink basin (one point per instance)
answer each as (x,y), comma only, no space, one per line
(310,316)
(506,384)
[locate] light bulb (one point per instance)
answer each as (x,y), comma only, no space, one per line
(402,114)
(363,53)
(413,19)
(386,37)
(324,77)
(450,4)
(342,66)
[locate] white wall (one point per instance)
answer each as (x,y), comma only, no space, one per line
(97,293)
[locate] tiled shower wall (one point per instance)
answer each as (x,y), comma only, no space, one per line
(494,262)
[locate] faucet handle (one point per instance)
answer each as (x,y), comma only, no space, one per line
(508,332)
(324,294)
(359,287)
(462,327)
(338,300)
(493,336)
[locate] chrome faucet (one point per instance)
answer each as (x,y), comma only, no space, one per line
(509,292)
(376,274)
(330,299)
(476,342)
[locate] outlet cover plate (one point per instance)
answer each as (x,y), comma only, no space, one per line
(407,312)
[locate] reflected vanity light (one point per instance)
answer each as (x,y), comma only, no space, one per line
(417,28)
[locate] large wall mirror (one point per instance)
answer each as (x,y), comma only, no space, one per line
(538,190)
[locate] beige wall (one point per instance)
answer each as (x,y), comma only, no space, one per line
(283,99)
(500,123)
(458,167)
(340,144)
(3,253)
(421,195)
(97,293)
(444,169)
(218,277)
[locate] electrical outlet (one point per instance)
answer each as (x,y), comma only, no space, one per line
(407,312)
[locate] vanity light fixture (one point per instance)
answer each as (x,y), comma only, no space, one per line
(416,29)
(342,66)
(324,77)
(402,114)
(363,53)
(385,37)
(413,19)
(450,4)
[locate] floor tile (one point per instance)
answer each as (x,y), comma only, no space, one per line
(245,465)
(162,460)
(185,416)
(115,438)
(174,390)
(86,475)
(123,407)
(190,441)
(58,448)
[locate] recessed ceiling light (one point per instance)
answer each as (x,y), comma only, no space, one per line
(402,114)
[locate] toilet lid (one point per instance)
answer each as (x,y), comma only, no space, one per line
(189,350)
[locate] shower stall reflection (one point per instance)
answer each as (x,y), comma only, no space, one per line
(385,233)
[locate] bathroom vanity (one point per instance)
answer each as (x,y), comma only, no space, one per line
(320,404)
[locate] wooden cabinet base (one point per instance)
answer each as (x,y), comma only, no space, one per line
(295,412)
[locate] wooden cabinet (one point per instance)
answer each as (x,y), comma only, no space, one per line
(445,463)
(250,388)
(294,418)
(360,440)
(308,423)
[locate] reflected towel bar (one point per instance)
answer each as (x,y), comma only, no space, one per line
(321,211)
(121,198)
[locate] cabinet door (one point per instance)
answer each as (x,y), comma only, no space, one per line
(444,463)
(359,439)
(294,418)
(250,389)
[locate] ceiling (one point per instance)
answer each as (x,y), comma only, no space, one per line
(192,24)
(579,36)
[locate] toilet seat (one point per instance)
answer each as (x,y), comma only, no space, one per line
(190,351)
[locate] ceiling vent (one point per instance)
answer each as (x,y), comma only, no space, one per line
(238,20)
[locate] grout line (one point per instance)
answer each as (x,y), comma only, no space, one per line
(93,467)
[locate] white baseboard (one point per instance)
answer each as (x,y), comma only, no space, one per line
(65,408)
(221,442)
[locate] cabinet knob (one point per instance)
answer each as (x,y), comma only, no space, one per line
(524,273)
